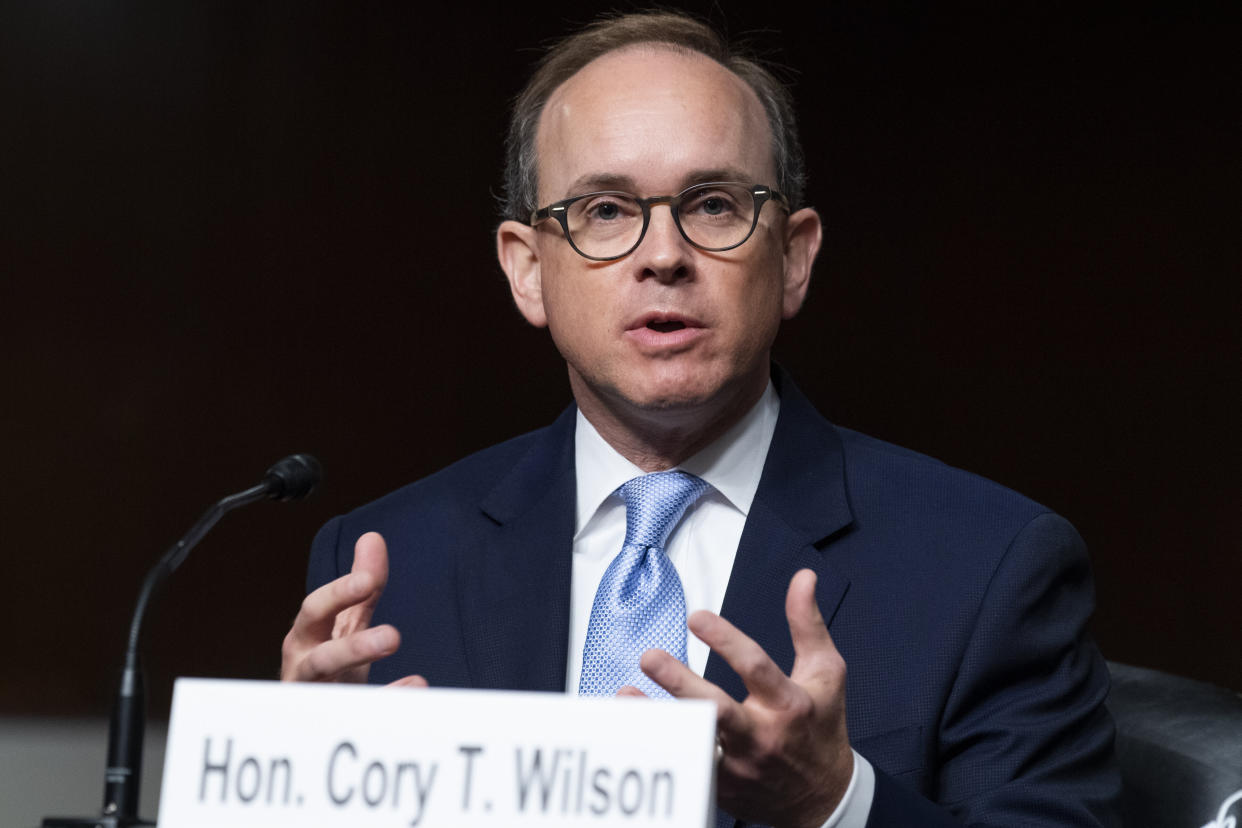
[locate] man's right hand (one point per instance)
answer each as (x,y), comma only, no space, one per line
(331,638)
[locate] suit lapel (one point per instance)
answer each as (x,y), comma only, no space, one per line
(800,504)
(514,589)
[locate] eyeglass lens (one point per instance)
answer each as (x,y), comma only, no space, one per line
(712,217)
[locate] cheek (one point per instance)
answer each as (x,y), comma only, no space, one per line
(758,307)
(761,295)
(577,308)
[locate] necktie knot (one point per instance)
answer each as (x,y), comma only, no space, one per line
(655,502)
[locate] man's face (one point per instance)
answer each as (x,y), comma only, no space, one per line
(668,326)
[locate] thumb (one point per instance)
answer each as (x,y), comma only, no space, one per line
(371,562)
(814,650)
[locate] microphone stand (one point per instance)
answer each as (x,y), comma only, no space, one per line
(123,773)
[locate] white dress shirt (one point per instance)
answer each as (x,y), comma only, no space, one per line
(701,547)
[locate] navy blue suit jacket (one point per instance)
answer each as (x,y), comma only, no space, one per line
(958,606)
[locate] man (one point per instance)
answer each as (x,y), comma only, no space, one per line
(654,227)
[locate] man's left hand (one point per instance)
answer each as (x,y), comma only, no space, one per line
(787,760)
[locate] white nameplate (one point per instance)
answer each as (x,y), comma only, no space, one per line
(257,753)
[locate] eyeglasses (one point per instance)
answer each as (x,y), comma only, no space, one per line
(716,216)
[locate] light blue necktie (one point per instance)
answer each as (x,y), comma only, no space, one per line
(640,604)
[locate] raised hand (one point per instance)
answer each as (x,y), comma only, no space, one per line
(331,638)
(786,755)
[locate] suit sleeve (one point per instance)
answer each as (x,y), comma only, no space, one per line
(1024,738)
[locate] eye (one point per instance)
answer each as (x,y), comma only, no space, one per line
(713,202)
(606,209)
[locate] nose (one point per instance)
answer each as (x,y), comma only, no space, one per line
(664,253)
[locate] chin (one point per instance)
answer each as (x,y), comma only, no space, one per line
(680,401)
(681,391)
(670,388)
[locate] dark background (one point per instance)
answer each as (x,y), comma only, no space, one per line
(235,230)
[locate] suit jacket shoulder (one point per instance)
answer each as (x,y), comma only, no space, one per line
(960,608)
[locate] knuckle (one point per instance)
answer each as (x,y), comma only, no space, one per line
(768,743)
(834,667)
(752,662)
(317,665)
(802,707)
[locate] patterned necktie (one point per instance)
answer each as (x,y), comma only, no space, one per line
(640,604)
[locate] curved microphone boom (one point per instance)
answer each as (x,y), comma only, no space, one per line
(289,479)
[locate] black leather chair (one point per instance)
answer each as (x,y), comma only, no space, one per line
(1179,743)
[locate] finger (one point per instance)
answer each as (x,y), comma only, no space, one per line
(763,679)
(370,557)
(816,660)
(631,691)
(806,624)
(346,604)
(316,619)
(409,681)
(682,683)
(330,659)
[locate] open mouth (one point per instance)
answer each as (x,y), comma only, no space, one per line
(664,328)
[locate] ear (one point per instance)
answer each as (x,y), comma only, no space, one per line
(803,235)
(519,259)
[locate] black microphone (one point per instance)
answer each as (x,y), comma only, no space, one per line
(292,478)
(289,479)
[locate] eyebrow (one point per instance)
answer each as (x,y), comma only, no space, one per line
(596,182)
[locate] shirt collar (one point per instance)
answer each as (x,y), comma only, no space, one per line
(732,464)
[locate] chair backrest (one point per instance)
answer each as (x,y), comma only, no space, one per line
(1179,743)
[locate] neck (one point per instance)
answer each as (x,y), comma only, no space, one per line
(661,438)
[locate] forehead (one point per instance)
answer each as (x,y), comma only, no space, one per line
(655,117)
